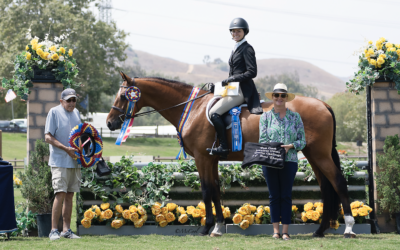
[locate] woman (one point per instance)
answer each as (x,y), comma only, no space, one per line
(282,125)
(243,68)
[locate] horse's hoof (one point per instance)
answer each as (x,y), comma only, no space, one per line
(349,236)
(215,235)
(317,235)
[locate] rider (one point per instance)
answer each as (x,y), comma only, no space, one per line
(242,68)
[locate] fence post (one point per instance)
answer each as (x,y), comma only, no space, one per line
(15,163)
(1,143)
(101,132)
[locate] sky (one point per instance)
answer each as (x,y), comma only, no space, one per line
(324,33)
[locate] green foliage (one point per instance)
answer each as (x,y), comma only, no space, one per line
(388,179)
(348,168)
(292,81)
(25,221)
(350,113)
(37,182)
(97,46)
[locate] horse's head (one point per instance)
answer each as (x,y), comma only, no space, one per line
(117,113)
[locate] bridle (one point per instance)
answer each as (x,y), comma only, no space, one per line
(123,113)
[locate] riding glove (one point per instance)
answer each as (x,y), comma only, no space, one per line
(228,80)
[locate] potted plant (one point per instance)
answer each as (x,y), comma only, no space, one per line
(42,61)
(37,187)
(26,222)
(388,179)
(377,62)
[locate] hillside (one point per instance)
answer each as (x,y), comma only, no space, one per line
(309,74)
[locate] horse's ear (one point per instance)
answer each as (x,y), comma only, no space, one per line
(124,77)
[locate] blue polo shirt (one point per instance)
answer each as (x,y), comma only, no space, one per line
(59,123)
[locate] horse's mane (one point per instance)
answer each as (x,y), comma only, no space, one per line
(170,83)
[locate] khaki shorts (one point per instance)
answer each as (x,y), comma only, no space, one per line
(66,179)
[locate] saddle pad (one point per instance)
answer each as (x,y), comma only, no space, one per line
(226,117)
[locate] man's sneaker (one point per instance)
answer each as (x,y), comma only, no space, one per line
(69,235)
(54,235)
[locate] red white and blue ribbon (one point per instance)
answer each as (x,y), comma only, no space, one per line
(236,129)
(182,121)
(132,94)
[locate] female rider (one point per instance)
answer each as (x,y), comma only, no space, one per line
(242,68)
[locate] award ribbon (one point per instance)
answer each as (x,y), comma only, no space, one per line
(236,129)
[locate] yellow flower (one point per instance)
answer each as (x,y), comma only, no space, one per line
(86,223)
(157,204)
(53,48)
(363,211)
(116,224)
(134,217)
(315,216)
(171,206)
(170,217)
(237,218)
(160,217)
(355,204)
(119,209)
(226,213)
(201,205)
(39,52)
(155,210)
(108,214)
(257,220)
(267,209)
(96,210)
(383,56)
(163,223)
(105,206)
(70,52)
(126,214)
(309,214)
(28,56)
(181,210)
(248,218)
(372,62)
(389,45)
(45,55)
(370,42)
(320,209)
(259,213)
(144,217)
(141,210)
(335,224)
(294,208)
(54,57)
(190,209)
(308,206)
(102,216)
(243,210)
(244,224)
(133,209)
(139,223)
(203,221)
(183,218)
(35,46)
(248,208)
(214,212)
(341,211)
(318,204)
(89,214)
(253,208)
(27,47)
(196,213)
(62,50)
(304,217)
(202,212)
(354,212)
(34,41)
(371,51)
(368,208)
(164,210)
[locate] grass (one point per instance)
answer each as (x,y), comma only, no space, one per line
(14,146)
(227,241)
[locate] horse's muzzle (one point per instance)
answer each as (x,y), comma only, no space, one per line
(113,125)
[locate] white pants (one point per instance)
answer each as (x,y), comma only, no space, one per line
(226,103)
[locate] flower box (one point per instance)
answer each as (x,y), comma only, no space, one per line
(173,230)
(295,229)
(43,75)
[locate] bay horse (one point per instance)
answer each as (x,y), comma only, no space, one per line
(198,134)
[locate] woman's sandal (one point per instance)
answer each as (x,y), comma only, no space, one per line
(287,236)
(279,236)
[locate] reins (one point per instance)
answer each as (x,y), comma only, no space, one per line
(160,110)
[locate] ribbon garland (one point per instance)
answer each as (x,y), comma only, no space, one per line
(133,95)
(182,121)
(225,91)
(236,129)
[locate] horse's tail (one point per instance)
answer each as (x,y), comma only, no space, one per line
(330,198)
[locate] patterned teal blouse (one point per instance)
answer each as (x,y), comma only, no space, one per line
(289,130)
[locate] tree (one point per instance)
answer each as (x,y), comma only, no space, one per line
(98,46)
(351,116)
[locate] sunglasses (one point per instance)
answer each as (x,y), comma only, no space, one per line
(71,100)
(277,95)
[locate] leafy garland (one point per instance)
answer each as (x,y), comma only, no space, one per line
(379,60)
(45,55)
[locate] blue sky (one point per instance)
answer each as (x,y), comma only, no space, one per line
(325,33)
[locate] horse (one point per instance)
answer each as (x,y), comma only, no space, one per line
(198,134)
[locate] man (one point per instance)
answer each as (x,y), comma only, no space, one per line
(66,173)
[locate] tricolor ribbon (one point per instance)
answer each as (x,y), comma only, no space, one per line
(182,121)
(236,129)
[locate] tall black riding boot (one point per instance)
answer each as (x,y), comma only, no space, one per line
(219,126)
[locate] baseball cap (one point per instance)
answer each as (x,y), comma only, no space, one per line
(68,93)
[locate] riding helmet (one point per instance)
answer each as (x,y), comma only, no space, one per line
(239,23)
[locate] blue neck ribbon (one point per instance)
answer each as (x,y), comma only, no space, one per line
(236,129)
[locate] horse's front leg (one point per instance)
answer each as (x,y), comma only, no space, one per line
(209,188)
(216,198)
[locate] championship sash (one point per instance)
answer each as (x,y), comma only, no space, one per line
(236,129)
(182,121)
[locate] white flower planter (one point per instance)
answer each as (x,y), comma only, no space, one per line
(295,229)
(174,230)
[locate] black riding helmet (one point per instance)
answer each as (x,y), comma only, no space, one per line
(239,23)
